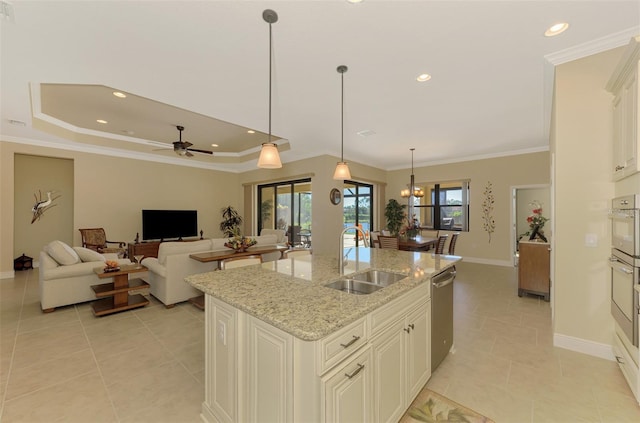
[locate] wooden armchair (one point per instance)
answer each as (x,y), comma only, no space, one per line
(96,239)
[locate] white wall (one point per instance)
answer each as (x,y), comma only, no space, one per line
(582,192)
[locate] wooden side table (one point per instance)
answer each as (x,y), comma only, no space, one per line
(114,297)
(534,268)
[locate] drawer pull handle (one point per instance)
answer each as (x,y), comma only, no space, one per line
(348,344)
(619,359)
(356,371)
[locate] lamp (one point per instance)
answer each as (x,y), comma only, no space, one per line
(342,168)
(412,190)
(269,157)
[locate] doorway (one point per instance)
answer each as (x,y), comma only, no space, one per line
(524,199)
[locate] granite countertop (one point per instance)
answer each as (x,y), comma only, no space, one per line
(290,293)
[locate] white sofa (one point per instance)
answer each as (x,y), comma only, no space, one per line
(66,274)
(173,264)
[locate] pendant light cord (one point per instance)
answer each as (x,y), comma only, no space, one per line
(342,119)
(270,61)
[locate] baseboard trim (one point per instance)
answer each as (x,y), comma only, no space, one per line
(584,346)
(7,275)
(504,263)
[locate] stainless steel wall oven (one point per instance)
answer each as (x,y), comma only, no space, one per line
(625,264)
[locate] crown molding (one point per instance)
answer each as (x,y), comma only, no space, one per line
(598,45)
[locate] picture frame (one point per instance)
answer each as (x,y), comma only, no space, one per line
(335,196)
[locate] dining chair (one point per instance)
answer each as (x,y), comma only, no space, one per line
(233,262)
(390,242)
(296,253)
(96,239)
(373,238)
(452,243)
(442,239)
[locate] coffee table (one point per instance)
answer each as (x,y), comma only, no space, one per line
(114,296)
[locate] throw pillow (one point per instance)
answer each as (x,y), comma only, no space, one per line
(61,253)
(86,254)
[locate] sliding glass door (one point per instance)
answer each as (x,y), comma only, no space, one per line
(287,206)
(357,210)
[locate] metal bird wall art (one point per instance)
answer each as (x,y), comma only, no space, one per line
(41,205)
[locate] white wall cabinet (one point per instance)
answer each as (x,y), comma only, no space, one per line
(257,372)
(623,84)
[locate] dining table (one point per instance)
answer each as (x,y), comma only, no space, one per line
(419,243)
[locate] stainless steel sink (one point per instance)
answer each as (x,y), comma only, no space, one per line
(354,287)
(367,282)
(379,277)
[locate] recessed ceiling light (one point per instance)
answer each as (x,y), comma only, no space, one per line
(215,145)
(119,94)
(101,121)
(251,131)
(423,77)
(556,29)
(354,1)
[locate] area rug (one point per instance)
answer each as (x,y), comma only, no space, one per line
(430,406)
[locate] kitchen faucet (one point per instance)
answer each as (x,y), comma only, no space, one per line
(341,247)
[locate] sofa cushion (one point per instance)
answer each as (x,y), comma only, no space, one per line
(266,240)
(86,254)
(62,253)
(169,248)
(279,233)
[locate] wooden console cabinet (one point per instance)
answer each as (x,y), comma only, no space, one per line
(534,268)
(147,249)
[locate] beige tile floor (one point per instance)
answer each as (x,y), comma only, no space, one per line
(147,365)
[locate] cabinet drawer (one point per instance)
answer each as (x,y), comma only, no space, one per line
(339,345)
(387,314)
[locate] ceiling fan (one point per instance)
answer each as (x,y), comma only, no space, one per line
(182,147)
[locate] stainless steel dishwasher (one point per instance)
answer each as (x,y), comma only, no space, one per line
(441,316)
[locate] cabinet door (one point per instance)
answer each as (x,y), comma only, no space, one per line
(347,390)
(630,123)
(618,155)
(534,267)
(221,377)
(390,374)
(418,341)
(268,391)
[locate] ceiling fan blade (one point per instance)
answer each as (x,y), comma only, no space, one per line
(201,151)
(188,154)
(186,144)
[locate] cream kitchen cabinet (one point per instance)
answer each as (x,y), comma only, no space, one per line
(348,390)
(623,84)
(401,333)
(262,373)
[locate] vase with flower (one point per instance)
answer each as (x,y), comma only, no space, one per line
(412,229)
(535,219)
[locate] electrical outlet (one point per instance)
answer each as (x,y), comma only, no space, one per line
(222,333)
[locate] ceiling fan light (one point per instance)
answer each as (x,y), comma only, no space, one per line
(342,172)
(269,157)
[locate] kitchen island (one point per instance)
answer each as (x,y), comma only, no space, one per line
(280,346)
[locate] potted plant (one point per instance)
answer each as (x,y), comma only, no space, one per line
(231,221)
(394,213)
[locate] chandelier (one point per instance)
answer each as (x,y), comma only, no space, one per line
(412,190)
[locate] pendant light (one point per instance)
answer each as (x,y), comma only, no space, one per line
(412,191)
(269,157)
(342,168)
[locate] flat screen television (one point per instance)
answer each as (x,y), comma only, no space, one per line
(169,224)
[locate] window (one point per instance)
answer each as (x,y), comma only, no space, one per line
(287,206)
(445,206)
